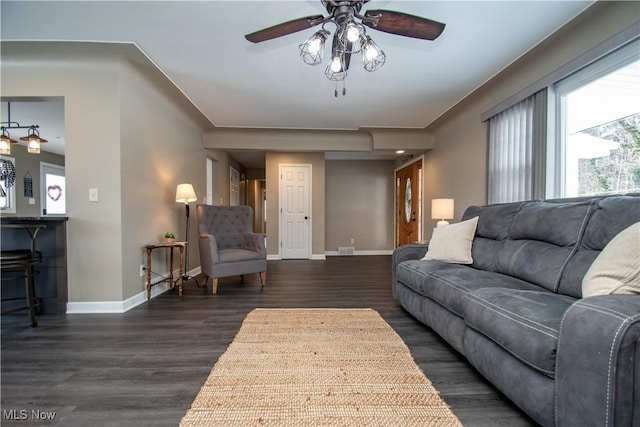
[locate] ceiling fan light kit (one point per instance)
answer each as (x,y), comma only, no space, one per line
(350,36)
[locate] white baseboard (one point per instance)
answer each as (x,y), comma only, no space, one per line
(106,307)
(276,257)
(373,252)
(316,257)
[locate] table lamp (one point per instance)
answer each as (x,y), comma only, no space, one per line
(442,209)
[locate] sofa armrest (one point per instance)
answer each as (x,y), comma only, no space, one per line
(404,253)
(208,253)
(598,362)
(255,242)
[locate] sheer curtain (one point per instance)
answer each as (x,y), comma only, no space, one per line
(517,151)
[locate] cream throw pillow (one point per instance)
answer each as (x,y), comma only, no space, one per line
(616,270)
(452,243)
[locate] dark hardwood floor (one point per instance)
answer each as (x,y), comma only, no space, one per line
(144,367)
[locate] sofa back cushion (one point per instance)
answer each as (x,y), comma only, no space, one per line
(542,240)
(611,215)
(494,222)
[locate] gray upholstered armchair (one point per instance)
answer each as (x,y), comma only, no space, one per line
(228,245)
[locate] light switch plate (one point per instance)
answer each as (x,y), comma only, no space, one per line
(93,194)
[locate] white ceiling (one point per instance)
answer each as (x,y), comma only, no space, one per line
(200,46)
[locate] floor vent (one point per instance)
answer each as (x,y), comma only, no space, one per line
(346,250)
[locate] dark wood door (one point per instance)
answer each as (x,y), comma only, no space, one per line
(408,199)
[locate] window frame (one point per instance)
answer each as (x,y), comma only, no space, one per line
(556,177)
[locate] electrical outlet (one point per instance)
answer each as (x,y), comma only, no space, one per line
(142,270)
(353,241)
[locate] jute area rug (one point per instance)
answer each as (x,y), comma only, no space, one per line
(317,367)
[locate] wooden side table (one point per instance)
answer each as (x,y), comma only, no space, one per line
(170,246)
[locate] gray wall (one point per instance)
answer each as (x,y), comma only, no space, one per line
(161,147)
(456,167)
(349,199)
(359,204)
(142,146)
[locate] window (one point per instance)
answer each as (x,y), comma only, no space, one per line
(582,138)
(598,128)
(7,185)
(54,190)
(516,151)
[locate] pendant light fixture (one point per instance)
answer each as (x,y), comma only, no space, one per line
(5,142)
(32,139)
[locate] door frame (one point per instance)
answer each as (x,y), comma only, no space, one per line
(421,199)
(280,205)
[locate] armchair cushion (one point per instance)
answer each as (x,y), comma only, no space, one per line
(236,255)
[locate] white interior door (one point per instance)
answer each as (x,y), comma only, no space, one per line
(295,211)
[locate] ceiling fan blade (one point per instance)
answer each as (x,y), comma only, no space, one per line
(403,24)
(284,28)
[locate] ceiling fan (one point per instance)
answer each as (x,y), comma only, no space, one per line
(350,36)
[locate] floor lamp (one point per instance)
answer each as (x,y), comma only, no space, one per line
(186,194)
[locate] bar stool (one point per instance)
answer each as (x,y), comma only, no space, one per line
(18,263)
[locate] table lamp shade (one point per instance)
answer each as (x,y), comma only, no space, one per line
(185,193)
(442,209)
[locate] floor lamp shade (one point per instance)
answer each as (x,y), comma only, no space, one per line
(185,193)
(442,209)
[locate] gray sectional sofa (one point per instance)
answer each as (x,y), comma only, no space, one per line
(518,315)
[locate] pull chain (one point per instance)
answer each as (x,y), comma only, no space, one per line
(344,89)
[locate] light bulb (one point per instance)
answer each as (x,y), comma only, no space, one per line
(353,32)
(314,45)
(5,147)
(370,53)
(33,146)
(336,65)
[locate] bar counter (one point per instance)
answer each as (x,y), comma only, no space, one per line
(51,280)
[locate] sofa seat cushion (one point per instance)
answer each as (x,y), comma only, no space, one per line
(524,323)
(447,284)
(238,255)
